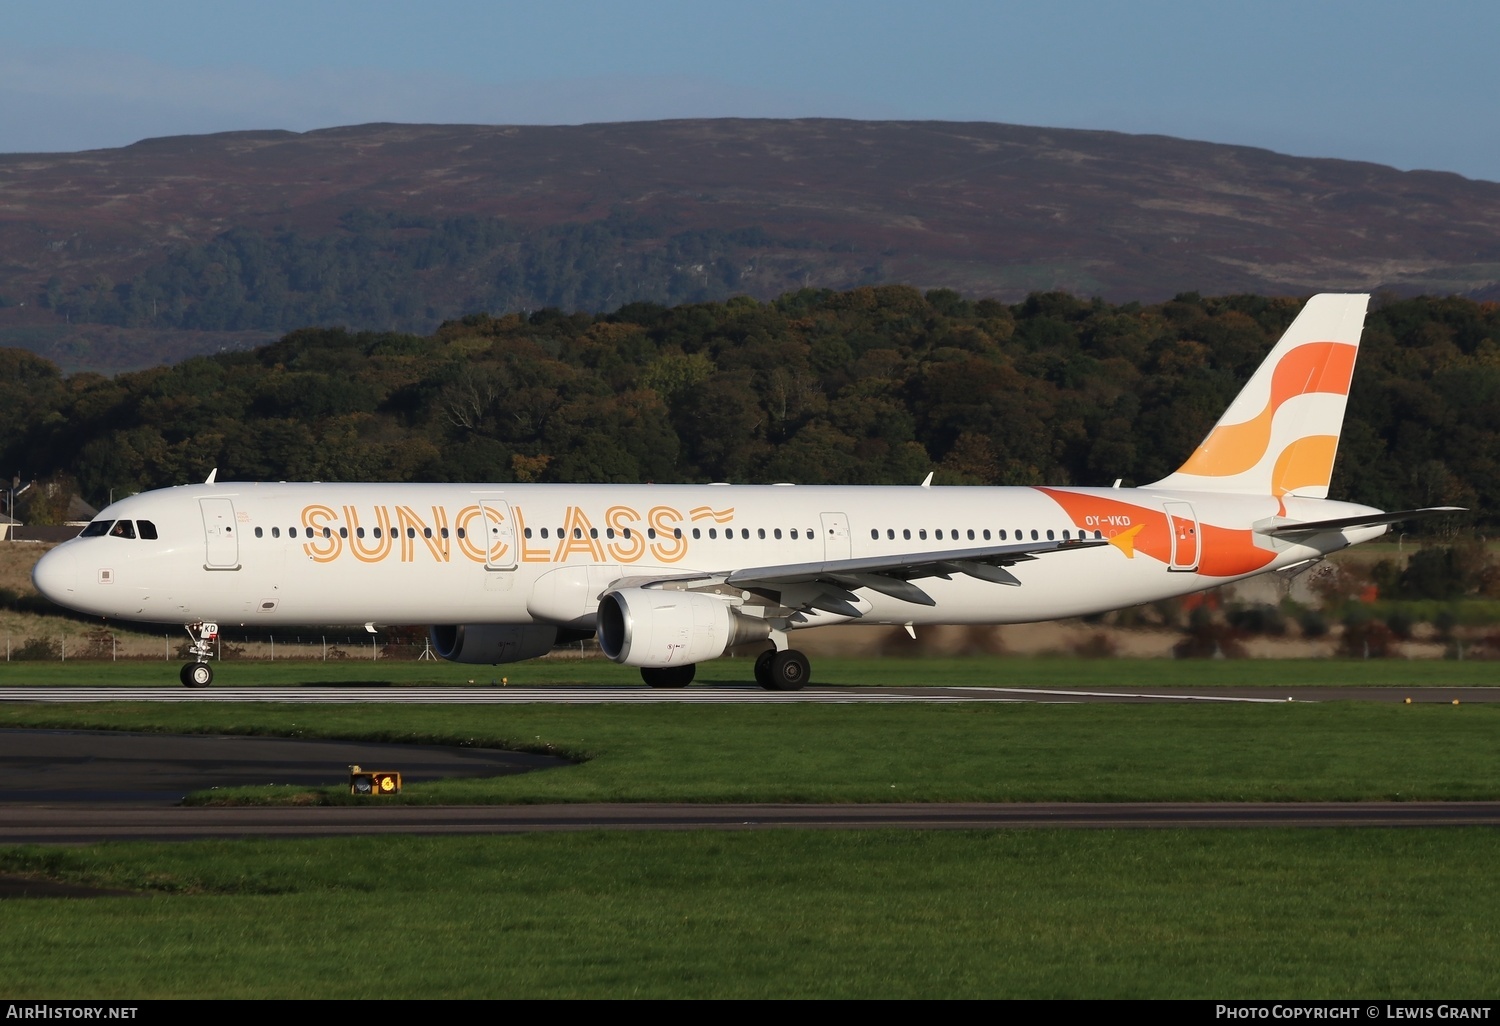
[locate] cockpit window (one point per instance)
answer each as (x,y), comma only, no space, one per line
(97,528)
(122,529)
(147,529)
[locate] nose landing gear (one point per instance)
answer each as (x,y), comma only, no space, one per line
(199,674)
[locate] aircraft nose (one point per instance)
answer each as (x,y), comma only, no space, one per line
(56,575)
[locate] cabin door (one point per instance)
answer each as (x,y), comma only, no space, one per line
(500,529)
(835,536)
(219,530)
(1183,523)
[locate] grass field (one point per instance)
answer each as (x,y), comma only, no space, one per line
(1036,914)
(1339,751)
(1032,913)
(967,671)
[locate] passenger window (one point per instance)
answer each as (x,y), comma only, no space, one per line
(971,534)
(426,532)
(609,532)
(359,532)
(1002,534)
(1033,534)
(411,532)
(375,531)
(760,532)
(344,532)
(259,533)
(443,532)
(794,534)
(577,532)
(651,533)
(626,533)
(697,533)
(544,532)
(147,529)
(276,532)
(939,534)
(1049,535)
(922,534)
(890,534)
(291,532)
(986,534)
(777,533)
(593,532)
(874,534)
(97,528)
(327,533)
(122,529)
(906,533)
(1065,536)
(461,533)
(527,532)
(713,533)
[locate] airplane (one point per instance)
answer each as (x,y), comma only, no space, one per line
(669,576)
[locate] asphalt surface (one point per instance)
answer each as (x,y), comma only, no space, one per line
(721,694)
(23,824)
(82,767)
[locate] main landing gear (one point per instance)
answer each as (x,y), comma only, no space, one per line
(200,674)
(786,670)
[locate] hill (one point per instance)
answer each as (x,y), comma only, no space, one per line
(121,258)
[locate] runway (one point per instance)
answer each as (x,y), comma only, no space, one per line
(21,824)
(730,694)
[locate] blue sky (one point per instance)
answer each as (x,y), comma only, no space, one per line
(1403,83)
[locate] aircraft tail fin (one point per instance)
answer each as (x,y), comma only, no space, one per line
(1281,433)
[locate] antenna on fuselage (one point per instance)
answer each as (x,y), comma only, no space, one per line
(211,475)
(926,481)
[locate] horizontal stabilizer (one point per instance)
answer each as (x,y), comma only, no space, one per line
(1373,520)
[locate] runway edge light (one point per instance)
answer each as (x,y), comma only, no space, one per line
(372,783)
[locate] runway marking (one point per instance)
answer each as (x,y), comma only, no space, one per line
(1074,692)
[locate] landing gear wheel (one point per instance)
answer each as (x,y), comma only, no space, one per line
(789,670)
(197,675)
(763,669)
(669,676)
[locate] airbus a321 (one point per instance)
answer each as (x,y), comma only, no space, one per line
(668,576)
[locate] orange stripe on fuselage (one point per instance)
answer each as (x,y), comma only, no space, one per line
(1234,448)
(1223,551)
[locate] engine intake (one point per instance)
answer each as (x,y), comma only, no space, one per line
(650,627)
(492,643)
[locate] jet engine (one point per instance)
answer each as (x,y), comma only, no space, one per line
(649,627)
(492,642)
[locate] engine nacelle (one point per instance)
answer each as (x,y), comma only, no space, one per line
(650,627)
(492,643)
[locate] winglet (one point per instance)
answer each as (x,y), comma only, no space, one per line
(211,475)
(927,481)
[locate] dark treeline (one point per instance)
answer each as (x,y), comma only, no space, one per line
(401,273)
(873,385)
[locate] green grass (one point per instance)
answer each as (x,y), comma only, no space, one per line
(1219,914)
(1344,751)
(970,671)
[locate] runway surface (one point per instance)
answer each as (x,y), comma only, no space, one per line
(20,824)
(102,767)
(721,694)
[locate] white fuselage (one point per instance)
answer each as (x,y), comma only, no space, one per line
(356,554)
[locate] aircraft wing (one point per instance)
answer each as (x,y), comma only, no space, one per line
(833,581)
